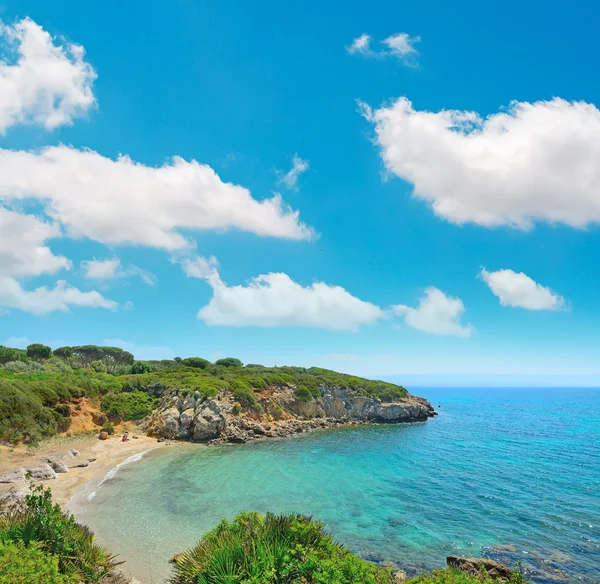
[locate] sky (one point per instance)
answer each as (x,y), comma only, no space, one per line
(405,191)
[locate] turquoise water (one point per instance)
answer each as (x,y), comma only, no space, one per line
(498,467)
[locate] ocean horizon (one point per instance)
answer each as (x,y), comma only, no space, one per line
(507,473)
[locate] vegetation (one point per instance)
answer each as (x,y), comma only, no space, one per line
(278,549)
(42,544)
(451,576)
(38,390)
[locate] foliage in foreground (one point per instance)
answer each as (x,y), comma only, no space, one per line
(451,576)
(278,549)
(43,528)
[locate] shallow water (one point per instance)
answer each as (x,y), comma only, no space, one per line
(514,468)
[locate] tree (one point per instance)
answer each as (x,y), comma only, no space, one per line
(177,359)
(229,362)
(197,362)
(39,352)
(140,367)
(65,353)
(7,354)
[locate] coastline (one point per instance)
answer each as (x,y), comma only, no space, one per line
(106,454)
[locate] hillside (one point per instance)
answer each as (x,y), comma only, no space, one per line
(42,392)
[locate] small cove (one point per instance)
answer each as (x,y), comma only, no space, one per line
(497,468)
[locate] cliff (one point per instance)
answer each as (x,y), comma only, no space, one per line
(279,412)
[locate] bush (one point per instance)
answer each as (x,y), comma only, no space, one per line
(139,367)
(39,352)
(451,576)
(55,533)
(109,428)
(99,367)
(229,362)
(245,396)
(134,405)
(236,409)
(29,565)
(285,549)
(196,362)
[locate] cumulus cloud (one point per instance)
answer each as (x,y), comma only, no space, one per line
(274,299)
(47,83)
(111,269)
(43,300)
(290,178)
(23,249)
(124,202)
(533,162)
(437,314)
(400,46)
(519,290)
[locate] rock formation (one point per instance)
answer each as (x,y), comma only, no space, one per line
(189,416)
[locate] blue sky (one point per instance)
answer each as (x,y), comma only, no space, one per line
(397,200)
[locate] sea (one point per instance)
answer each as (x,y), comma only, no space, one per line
(509,474)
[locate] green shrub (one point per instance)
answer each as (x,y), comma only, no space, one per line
(133,405)
(109,428)
(229,362)
(245,396)
(303,393)
(236,409)
(196,362)
(39,352)
(282,549)
(451,576)
(29,565)
(55,533)
(140,367)
(99,367)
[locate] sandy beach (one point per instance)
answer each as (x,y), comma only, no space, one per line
(107,454)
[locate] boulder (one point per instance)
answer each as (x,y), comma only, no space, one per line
(74,452)
(473,567)
(43,472)
(58,465)
(13,476)
(209,420)
(103,436)
(12,496)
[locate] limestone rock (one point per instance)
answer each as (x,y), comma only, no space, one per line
(209,420)
(43,472)
(13,476)
(12,496)
(58,465)
(473,566)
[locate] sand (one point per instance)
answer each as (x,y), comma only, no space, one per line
(108,453)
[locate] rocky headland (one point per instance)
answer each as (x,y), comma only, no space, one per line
(279,412)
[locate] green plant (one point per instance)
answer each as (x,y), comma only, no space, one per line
(140,367)
(29,565)
(279,549)
(451,576)
(47,528)
(39,352)
(229,362)
(109,428)
(236,409)
(133,405)
(196,362)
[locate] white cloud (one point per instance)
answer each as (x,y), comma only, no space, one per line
(437,314)
(519,290)
(43,299)
(533,162)
(48,84)
(22,246)
(142,352)
(200,267)
(273,300)
(124,202)
(400,46)
(290,178)
(361,44)
(111,269)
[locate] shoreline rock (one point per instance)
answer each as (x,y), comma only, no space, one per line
(188,416)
